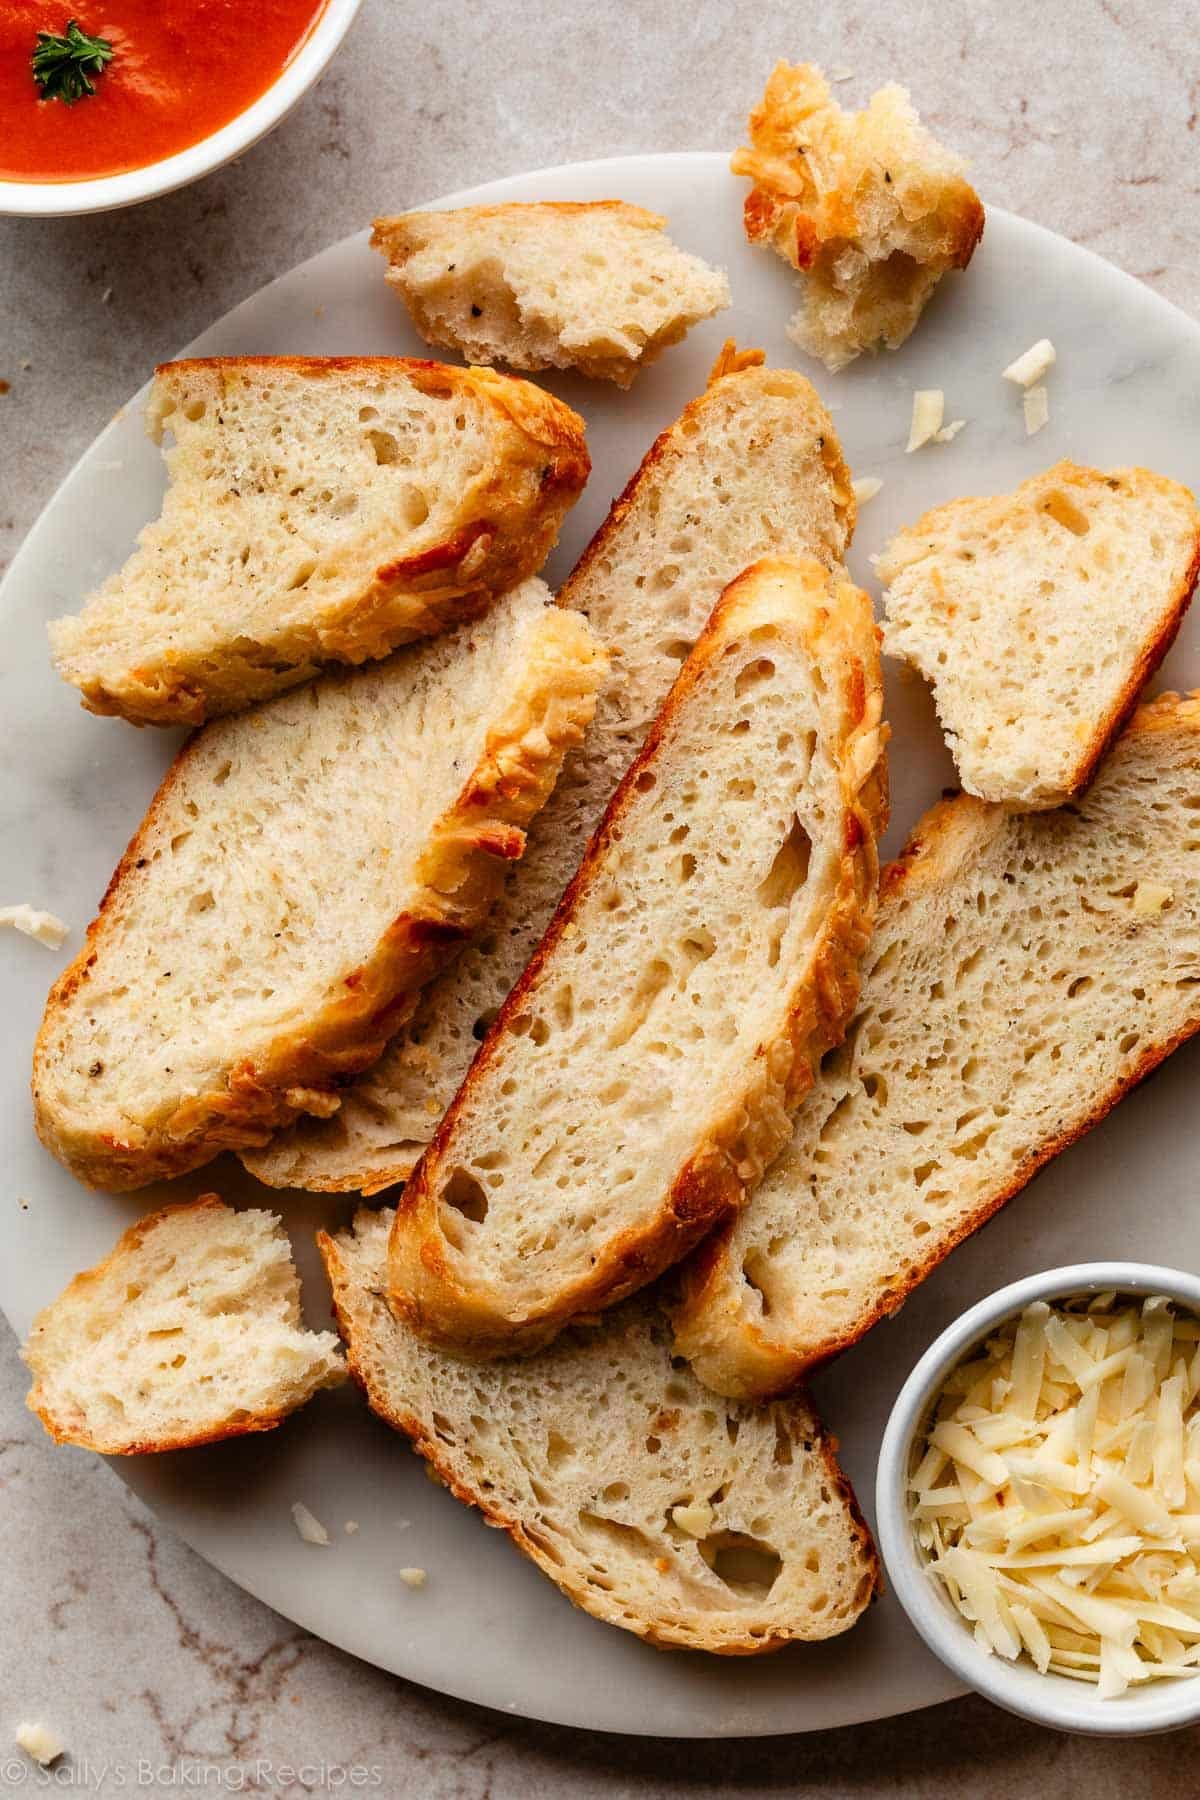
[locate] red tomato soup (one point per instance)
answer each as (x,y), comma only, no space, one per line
(180,70)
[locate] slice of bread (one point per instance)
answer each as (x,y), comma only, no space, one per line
(319,510)
(596,286)
(651,1504)
(753,464)
(868,206)
(1038,617)
(303,871)
(189,1331)
(641,1074)
(1027,970)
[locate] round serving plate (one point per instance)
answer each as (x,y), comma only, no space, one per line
(487,1626)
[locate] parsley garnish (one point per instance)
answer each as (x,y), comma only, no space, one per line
(63,66)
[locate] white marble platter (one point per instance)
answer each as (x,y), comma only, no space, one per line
(487,1626)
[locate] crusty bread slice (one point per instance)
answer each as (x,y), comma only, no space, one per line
(319,510)
(1027,970)
(1038,617)
(303,871)
(753,464)
(641,1074)
(868,206)
(187,1332)
(695,1524)
(596,286)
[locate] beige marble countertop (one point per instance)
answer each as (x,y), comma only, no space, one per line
(1084,116)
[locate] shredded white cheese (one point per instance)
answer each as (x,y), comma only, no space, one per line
(1149,897)
(1057,1491)
(43,926)
(1031,366)
(866,488)
(949,432)
(413,1578)
(696,1519)
(1036,404)
(308,1525)
(350,1527)
(841,74)
(39,1742)
(928,411)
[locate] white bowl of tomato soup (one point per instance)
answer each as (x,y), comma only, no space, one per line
(104,103)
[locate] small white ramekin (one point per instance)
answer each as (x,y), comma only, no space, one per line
(55,199)
(1053,1700)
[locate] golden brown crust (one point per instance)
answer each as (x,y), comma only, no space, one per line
(762,1368)
(738,1147)
(539,466)
(69,1431)
(459,872)
(589,1597)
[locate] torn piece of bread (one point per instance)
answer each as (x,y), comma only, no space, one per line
(696,1524)
(318,510)
(596,286)
(640,1076)
(303,871)
(752,464)
(868,206)
(1038,617)
(189,1331)
(1027,970)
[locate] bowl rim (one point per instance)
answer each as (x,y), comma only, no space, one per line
(1052,1700)
(104,193)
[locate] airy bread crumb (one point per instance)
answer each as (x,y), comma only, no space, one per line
(1038,616)
(189,1331)
(595,286)
(582,1454)
(868,206)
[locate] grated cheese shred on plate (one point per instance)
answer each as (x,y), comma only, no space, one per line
(1056,1492)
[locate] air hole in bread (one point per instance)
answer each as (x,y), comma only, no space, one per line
(753,1268)
(559,1449)
(385,445)
(789,871)
(753,675)
(628,1538)
(465,1195)
(1063,510)
(303,575)
(744,1563)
